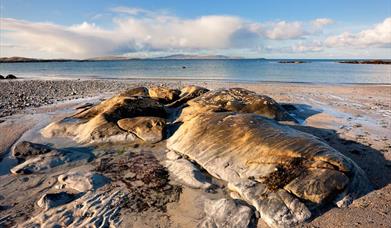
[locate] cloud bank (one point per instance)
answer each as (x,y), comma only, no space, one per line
(137,30)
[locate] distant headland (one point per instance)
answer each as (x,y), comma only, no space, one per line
(17,59)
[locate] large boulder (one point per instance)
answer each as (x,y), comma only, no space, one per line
(11,76)
(149,129)
(99,123)
(237,100)
(287,164)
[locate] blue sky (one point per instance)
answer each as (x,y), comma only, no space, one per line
(272,29)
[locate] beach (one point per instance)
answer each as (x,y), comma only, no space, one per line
(352,118)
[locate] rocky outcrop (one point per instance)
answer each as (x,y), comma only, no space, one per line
(236,100)
(230,134)
(288,163)
(99,123)
(227,213)
(149,129)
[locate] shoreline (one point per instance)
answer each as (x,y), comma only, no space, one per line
(149,79)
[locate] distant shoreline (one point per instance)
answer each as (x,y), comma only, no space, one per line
(192,57)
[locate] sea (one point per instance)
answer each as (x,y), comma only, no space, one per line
(235,70)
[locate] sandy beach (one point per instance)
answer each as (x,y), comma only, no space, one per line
(352,118)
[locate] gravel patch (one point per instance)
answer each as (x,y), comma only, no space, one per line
(18,95)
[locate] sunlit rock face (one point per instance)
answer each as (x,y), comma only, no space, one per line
(99,123)
(287,163)
(237,100)
(149,129)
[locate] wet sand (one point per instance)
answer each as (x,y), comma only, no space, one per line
(354,119)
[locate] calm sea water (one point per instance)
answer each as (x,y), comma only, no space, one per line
(315,71)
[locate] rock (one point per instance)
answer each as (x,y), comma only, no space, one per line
(54,158)
(1,76)
(188,93)
(237,147)
(138,91)
(50,200)
(82,181)
(227,213)
(171,155)
(163,94)
(10,76)
(26,149)
(237,100)
(91,210)
(188,173)
(320,184)
(149,129)
(99,123)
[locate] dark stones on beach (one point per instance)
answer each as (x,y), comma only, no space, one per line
(10,76)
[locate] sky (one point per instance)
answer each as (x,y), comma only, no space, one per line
(254,29)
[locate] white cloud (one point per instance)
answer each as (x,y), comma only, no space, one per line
(321,22)
(379,36)
(286,30)
(141,31)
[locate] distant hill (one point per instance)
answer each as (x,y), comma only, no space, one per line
(114,58)
(27,60)
(183,56)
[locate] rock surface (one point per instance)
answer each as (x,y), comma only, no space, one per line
(99,123)
(188,173)
(238,147)
(237,100)
(227,213)
(82,181)
(188,93)
(45,162)
(149,129)
(50,200)
(163,94)
(91,210)
(27,149)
